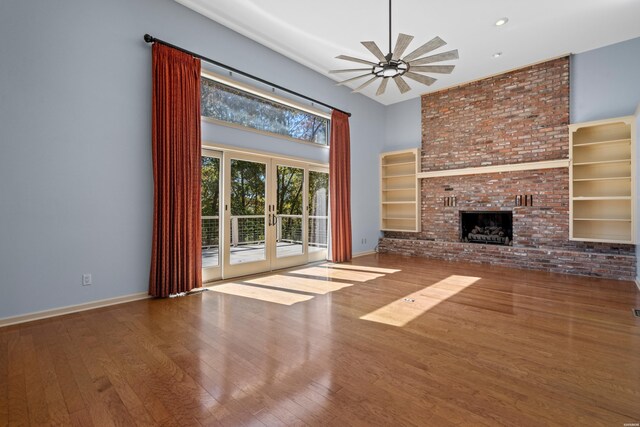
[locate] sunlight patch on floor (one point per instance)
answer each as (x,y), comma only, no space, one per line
(401,312)
(331,273)
(269,295)
(301,284)
(361,268)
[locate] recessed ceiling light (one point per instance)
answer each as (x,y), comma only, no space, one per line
(497,54)
(500,22)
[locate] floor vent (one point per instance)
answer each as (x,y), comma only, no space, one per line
(636,312)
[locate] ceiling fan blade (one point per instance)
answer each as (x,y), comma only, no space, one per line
(432,44)
(365,84)
(353,78)
(352,59)
(401,45)
(402,84)
(439,69)
(444,56)
(349,70)
(382,87)
(420,78)
(373,48)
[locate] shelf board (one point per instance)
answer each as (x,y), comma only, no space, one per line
(614,178)
(398,218)
(603,219)
(602,198)
(405,202)
(612,141)
(399,164)
(602,162)
(399,176)
(601,240)
(399,189)
(406,230)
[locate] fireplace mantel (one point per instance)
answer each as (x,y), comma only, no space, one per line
(549,164)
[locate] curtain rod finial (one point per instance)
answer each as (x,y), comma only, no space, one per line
(148,38)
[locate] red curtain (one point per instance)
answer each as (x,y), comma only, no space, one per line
(340,187)
(176,246)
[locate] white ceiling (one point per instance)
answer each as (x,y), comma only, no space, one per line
(314,33)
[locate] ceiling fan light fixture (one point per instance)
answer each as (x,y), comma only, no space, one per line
(500,22)
(395,65)
(390,72)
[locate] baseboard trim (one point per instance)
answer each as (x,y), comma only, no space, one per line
(38,315)
(359,254)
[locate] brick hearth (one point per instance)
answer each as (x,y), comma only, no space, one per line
(516,117)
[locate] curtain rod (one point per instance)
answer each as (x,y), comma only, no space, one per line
(150,39)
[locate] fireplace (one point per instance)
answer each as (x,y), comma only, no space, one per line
(487,227)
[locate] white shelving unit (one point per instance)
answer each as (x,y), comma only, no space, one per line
(400,200)
(602,181)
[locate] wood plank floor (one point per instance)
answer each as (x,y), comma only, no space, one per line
(339,345)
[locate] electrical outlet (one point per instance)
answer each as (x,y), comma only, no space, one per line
(363,241)
(86,279)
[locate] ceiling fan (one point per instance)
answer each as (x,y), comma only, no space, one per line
(394,66)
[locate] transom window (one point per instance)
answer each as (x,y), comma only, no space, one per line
(230,104)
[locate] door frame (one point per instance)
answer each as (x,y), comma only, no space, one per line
(210,274)
(227,153)
(289,261)
(242,269)
(319,255)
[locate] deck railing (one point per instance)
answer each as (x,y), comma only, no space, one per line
(249,230)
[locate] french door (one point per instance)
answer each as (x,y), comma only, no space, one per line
(274,214)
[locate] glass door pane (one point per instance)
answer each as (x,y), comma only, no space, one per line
(289,211)
(247,216)
(318,214)
(210,203)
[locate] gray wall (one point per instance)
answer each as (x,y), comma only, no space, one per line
(75,163)
(403,127)
(604,82)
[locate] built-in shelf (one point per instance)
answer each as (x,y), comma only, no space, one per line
(602,181)
(399,208)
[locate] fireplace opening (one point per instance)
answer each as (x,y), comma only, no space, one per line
(488,227)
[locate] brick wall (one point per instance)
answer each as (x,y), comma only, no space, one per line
(516,117)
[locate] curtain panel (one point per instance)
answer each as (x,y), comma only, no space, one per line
(176,244)
(340,187)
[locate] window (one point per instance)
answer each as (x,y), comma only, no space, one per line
(233,105)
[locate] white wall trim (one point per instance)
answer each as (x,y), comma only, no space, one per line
(549,164)
(638,283)
(215,146)
(37,315)
(364,253)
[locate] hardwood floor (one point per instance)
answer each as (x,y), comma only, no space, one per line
(472,345)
